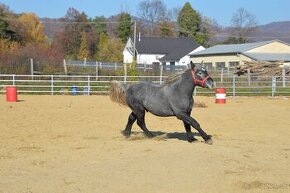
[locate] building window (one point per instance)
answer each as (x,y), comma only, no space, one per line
(233,64)
(220,65)
(207,65)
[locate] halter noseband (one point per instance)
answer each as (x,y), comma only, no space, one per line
(197,80)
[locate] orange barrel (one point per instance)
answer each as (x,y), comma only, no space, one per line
(11,94)
(220,95)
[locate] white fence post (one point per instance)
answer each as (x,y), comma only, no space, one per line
(51,84)
(13,79)
(234,86)
(222,75)
(273,85)
(116,68)
(195,91)
(283,77)
(31,68)
(161,73)
(89,85)
(249,77)
(125,73)
(64,67)
(97,70)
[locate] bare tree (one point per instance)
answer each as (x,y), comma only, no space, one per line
(209,28)
(172,14)
(152,12)
(244,25)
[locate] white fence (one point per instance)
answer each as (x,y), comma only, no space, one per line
(120,66)
(87,85)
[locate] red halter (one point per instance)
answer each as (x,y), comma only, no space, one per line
(200,81)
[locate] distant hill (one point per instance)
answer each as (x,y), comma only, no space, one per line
(275,30)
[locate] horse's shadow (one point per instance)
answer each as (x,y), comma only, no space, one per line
(176,135)
(160,135)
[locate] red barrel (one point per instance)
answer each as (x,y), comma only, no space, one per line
(11,94)
(220,95)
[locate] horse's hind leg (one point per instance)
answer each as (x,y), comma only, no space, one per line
(142,125)
(131,120)
(190,137)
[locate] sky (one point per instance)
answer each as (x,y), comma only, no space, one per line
(265,11)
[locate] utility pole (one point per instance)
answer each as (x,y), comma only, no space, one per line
(134,49)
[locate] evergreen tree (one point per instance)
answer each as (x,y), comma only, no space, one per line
(99,25)
(3,22)
(124,27)
(103,39)
(189,22)
(83,52)
(166,29)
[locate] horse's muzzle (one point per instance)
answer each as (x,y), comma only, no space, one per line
(210,84)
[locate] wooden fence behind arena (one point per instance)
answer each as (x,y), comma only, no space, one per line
(88,85)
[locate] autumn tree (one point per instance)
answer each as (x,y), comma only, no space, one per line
(31,29)
(189,22)
(70,38)
(243,26)
(8,28)
(124,26)
(83,52)
(110,49)
(209,27)
(8,46)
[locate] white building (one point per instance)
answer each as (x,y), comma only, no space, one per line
(162,50)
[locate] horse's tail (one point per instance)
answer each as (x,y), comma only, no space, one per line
(118,92)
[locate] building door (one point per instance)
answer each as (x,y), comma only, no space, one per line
(156,68)
(172,66)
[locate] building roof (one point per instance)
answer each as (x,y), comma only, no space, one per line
(173,48)
(268,56)
(230,48)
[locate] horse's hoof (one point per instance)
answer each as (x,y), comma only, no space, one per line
(150,135)
(209,142)
(126,134)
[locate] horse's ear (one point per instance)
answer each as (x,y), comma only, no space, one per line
(192,65)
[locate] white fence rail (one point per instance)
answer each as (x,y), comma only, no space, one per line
(87,85)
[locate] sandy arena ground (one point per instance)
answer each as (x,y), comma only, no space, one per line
(57,144)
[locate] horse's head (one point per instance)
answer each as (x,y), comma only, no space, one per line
(201,77)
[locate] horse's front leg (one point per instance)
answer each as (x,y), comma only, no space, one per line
(190,137)
(189,120)
(142,125)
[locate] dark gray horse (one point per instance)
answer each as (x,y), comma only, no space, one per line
(173,98)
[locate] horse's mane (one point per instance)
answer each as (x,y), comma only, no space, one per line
(173,78)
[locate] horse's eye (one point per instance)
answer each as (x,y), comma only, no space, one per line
(199,73)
